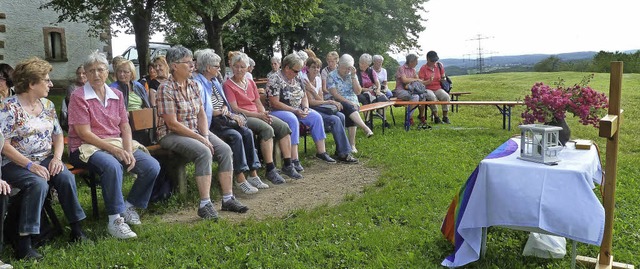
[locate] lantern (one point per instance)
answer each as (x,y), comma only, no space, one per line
(540,143)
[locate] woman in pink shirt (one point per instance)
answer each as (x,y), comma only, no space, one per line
(100,140)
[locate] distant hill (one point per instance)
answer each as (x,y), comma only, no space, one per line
(515,63)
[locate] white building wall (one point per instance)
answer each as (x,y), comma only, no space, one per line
(24,38)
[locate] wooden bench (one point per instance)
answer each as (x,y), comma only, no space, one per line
(503,106)
(373,107)
(455,96)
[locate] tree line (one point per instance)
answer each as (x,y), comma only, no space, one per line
(260,28)
(600,63)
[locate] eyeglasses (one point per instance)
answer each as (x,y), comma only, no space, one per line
(186,62)
(295,71)
(47,80)
(98,70)
(124,72)
(215,66)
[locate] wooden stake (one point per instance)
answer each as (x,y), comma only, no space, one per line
(610,129)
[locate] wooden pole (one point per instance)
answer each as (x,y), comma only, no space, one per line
(606,253)
(609,129)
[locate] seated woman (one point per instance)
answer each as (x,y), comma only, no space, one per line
(332,64)
(81,79)
(134,94)
(244,98)
(371,89)
(32,154)
(275,65)
(333,121)
(6,83)
(381,73)
(405,75)
(100,140)
(344,87)
(240,139)
(183,129)
(5,190)
(430,74)
(289,103)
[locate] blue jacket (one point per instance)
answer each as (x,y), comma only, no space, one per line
(206,90)
(137,88)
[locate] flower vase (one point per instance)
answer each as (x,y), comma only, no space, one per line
(565,133)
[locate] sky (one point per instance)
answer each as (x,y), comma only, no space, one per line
(514,27)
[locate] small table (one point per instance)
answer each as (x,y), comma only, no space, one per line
(506,191)
(455,96)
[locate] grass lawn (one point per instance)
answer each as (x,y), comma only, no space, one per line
(395,223)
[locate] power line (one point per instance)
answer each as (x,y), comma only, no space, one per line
(480,53)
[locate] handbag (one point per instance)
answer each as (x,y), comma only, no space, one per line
(416,87)
(445,81)
(328,109)
(223,122)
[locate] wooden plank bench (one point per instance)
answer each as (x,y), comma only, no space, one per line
(503,106)
(455,96)
(373,107)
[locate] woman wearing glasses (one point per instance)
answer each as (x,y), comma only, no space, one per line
(32,154)
(100,140)
(183,129)
(288,101)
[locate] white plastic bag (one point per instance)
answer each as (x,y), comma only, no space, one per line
(545,246)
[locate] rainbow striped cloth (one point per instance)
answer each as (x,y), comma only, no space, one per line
(450,224)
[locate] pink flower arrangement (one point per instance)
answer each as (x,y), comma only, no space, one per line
(546,104)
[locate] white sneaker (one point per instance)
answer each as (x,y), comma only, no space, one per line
(5,265)
(247,188)
(257,182)
(119,229)
(131,217)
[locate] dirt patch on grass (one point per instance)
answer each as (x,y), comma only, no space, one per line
(322,184)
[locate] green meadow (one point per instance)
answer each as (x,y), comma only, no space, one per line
(394,223)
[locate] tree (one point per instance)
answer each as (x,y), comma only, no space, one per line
(359,26)
(214,15)
(550,64)
(137,16)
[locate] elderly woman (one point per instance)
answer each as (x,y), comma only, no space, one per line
(381,72)
(289,103)
(244,98)
(332,64)
(100,141)
(183,129)
(162,73)
(6,83)
(344,88)
(431,73)
(368,80)
(275,65)
(135,95)
(405,75)
(333,119)
(32,153)
(240,138)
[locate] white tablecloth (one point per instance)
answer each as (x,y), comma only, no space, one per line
(512,192)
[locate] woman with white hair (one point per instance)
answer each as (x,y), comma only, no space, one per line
(381,72)
(183,129)
(239,138)
(343,85)
(275,65)
(100,140)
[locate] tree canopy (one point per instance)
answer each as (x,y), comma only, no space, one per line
(136,16)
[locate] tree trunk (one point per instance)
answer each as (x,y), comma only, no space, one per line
(141,29)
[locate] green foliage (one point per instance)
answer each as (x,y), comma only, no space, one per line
(394,223)
(139,17)
(551,64)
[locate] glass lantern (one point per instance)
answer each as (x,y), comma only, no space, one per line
(540,143)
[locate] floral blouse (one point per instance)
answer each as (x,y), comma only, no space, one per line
(290,94)
(343,87)
(30,135)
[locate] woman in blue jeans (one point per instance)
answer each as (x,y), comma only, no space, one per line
(245,156)
(289,103)
(334,121)
(100,140)
(32,154)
